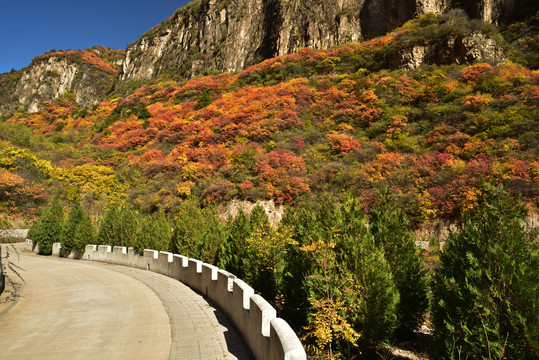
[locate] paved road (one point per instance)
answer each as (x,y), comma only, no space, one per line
(69,309)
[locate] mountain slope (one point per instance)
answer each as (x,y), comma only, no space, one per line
(300,125)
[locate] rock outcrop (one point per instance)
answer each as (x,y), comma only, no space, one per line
(208,36)
(88,74)
(221,35)
(456,50)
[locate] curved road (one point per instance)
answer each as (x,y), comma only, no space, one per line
(69,309)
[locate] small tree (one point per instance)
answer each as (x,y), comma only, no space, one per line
(486,290)
(370,300)
(188,228)
(84,233)
(391,232)
(333,296)
(376,316)
(154,233)
(232,249)
(119,226)
(74,218)
(48,228)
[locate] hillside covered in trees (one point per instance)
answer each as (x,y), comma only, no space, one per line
(361,150)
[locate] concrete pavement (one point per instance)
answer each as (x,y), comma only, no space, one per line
(80,310)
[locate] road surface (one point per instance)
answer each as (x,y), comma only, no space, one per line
(73,309)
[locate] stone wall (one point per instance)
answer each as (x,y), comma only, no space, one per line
(267,336)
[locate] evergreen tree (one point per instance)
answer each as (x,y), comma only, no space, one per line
(48,228)
(232,249)
(84,233)
(361,277)
(74,218)
(254,272)
(486,290)
(154,232)
(107,226)
(377,314)
(213,234)
(119,226)
(302,221)
(390,228)
(188,228)
(378,296)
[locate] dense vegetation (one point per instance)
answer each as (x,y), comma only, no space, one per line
(346,286)
(360,153)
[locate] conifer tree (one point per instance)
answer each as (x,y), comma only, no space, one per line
(84,233)
(390,228)
(378,296)
(361,275)
(71,224)
(107,226)
(212,236)
(232,249)
(188,227)
(119,226)
(253,271)
(154,232)
(302,221)
(48,229)
(486,290)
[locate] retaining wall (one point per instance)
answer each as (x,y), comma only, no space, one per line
(268,337)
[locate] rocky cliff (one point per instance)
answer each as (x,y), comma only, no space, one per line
(88,74)
(209,36)
(226,35)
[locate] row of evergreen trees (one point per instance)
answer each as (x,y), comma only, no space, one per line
(347,281)
(74,233)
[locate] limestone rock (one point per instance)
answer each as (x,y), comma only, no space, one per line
(208,36)
(456,50)
(50,76)
(221,35)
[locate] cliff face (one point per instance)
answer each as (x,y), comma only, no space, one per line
(212,35)
(455,50)
(224,35)
(88,74)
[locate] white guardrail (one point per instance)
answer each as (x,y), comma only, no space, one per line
(267,336)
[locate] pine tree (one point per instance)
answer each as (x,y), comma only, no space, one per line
(84,233)
(107,226)
(486,290)
(361,276)
(119,226)
(74,218)
(48,228)
(213,234)
(378,297)
(391,232)
(188,227)
(303,224)
(154,232)
(231,252)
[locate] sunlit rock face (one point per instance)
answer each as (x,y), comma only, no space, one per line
(220,35)
(81,73)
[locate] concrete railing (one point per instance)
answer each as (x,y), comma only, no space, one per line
(267,336)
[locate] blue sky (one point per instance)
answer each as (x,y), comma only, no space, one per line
(31,28)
